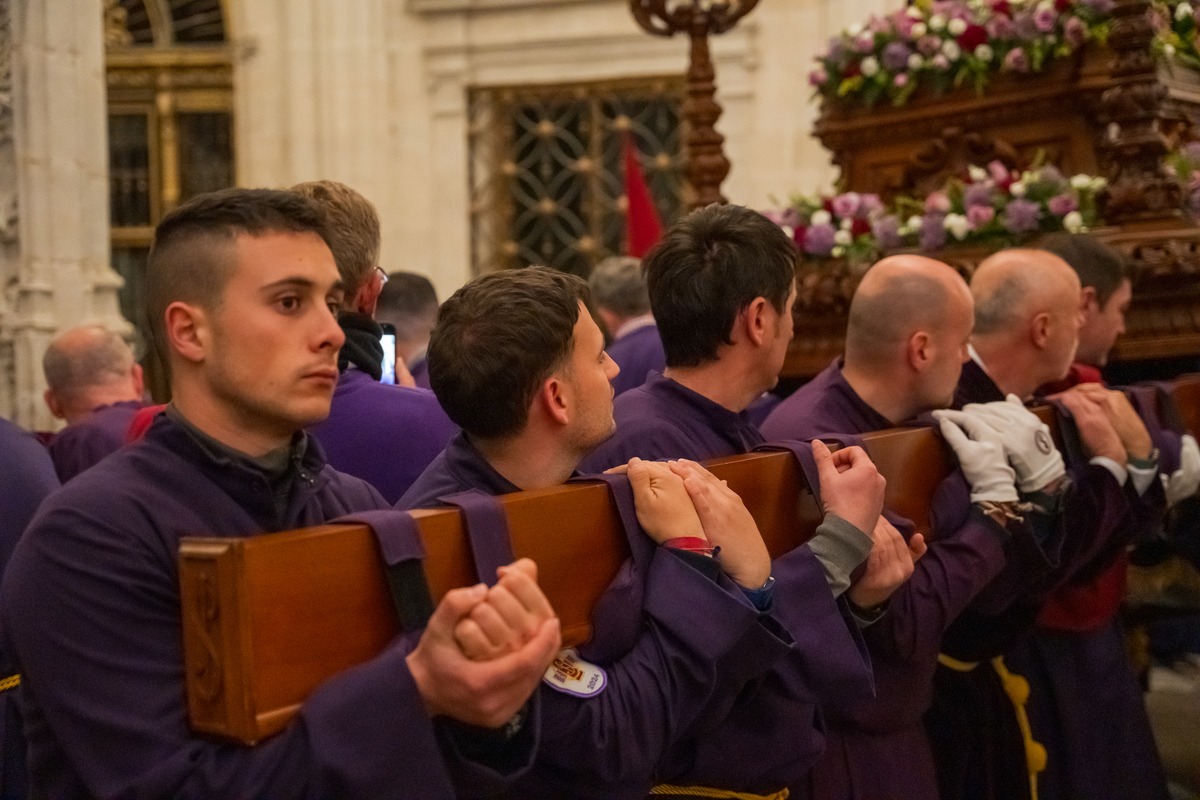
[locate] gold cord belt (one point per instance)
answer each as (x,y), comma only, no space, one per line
(704,791)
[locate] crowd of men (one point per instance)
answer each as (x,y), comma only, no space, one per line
(868,663)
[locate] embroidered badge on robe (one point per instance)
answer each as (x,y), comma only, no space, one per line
(572,675)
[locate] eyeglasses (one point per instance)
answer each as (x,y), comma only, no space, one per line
(382,275)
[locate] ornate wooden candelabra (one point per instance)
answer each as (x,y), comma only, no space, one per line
(707,165)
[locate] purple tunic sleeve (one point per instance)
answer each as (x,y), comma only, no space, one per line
(93,611)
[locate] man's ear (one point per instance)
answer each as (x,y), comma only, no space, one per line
(366,299)
(754,321)
(54,404)
(920,351)
(1039,329)
(553,400)
(187,331)
(138,379)
(1089,303)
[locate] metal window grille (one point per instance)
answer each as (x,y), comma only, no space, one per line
(547,170)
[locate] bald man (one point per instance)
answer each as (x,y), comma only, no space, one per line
(910,321)
(94,384)
(1027,320)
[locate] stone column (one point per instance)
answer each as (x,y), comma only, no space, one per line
(54,246)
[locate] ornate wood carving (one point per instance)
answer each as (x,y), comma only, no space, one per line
(707,165)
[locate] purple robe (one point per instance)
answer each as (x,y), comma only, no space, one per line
(386,435)
(978,747)
(638,353)
(663,419)
(876,745)
(90,605)
(27,477)
(687,661)
(84,442)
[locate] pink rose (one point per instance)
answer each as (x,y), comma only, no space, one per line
(1062,204)
(979,216)
(937,201)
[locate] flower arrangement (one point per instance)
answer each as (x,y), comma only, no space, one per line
(1175,26)
(995,206)
(941,44)
(1184,163)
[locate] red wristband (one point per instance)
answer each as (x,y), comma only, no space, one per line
(693,544)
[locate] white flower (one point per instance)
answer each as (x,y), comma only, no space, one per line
(1046,5)
(919,29)
(915,62)
(1017,189)
(843,238)
(866,41)
(1073,222)
(958,225)
(820,217)
(977,173)
(869,66)
(788,230)
(951,50)
(914,222)
(838,251)
(1183,11)
(1081,181)
(1168,50)
(956,26)
(937,22)
(914,12)
(1098,183)
(984,52)
(855,29)
(847,223)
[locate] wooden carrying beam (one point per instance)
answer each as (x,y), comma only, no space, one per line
(266,618)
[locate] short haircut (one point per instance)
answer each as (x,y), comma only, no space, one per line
(1098,265)
(409,302)
(352,225)
(882,319)
(497,340)
(619,285)
(99,359)
(192,257)
(1002,307)
(712,264)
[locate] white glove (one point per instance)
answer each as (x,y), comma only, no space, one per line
(981,457)
(1026,439)
(1184,481)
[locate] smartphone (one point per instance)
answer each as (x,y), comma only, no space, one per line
(388,340)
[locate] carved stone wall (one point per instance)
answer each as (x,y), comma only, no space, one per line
(54,260)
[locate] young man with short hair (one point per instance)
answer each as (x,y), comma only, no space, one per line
(722,285)
(410,304)
(384,434)
(94,384)
(519,364)
(243,294)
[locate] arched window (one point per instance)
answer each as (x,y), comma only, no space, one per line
(170,128)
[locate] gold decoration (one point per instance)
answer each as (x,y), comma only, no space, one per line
(116,25)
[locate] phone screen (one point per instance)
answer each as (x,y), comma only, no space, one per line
(388,340)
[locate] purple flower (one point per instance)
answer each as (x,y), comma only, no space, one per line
(998,171)
(1045,19)
(887,231)
(783,217)
(1061,205)
(1001,27)
(979,216)
(846,205)
(818,77)
(940,62)
(1016,60)
(929,44)
(933,232)
(879,24)
(895,56)
(837,50)
(1075,33)
(865,43)
(818,241)
(1026,27)
(978,194)
(1022,216)
(904,24)
(871,203)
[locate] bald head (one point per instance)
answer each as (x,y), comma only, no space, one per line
(1027,318)
(86,367)
(1013,286)
(898,297)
